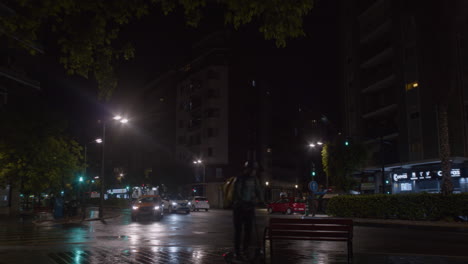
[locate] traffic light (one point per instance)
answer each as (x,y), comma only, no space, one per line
(313,173)
(81,179)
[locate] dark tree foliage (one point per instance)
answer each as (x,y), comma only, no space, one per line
(35,154)
(87,31)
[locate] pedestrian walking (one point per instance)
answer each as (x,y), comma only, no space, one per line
(247,191)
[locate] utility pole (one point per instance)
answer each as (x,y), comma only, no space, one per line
(383,162)
(101,197)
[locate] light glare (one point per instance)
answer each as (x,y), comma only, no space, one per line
(117,117)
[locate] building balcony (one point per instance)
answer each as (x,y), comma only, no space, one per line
(372,34)
(380,110)
(372,7)
(387,134)
(379,84)
(377,58)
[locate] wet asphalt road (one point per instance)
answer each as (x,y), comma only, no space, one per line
(202,237)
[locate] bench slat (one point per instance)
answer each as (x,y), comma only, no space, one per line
(279,233)
(311,227)
(338,239)
(311,221)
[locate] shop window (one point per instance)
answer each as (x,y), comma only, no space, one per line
(463,184)
(404,187)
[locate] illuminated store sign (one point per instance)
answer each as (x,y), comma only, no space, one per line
(423,175)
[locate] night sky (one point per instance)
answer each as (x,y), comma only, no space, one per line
(307,67)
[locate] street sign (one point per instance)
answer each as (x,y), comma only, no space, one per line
(313,186)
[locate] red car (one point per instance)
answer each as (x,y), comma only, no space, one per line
(287,205)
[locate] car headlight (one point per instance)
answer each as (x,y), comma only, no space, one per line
(189,203)
(156,208)
(174,204)
(135,207)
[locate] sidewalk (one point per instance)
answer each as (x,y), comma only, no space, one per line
(91,215)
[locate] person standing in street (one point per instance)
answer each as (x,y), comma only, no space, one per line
(247,191)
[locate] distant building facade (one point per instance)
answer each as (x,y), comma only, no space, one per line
(399,60)
(222,116)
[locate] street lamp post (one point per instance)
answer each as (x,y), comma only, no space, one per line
(102,177)
(101,196)
(98,141)
(313,145)
(200,162)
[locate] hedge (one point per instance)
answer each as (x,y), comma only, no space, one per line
(416,206)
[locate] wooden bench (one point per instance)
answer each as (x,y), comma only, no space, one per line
(324,229)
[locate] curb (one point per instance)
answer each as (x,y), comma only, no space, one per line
(73,221)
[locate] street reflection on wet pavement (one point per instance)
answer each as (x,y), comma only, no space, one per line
(203,237)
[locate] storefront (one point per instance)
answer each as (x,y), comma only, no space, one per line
(427,179)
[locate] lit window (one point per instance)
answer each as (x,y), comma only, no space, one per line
(410,86)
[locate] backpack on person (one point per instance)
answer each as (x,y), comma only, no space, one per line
(228,192)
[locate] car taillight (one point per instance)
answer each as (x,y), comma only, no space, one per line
(196,201)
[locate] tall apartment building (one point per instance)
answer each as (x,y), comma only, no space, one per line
(222,117)
(399,60)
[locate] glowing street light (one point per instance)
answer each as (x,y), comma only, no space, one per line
(101,197)
(267,183)
(98,140)
(312,145)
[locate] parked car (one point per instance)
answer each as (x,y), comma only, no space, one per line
(287,205)
(149,206)
(166,203)
(199,202)
(177,203)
